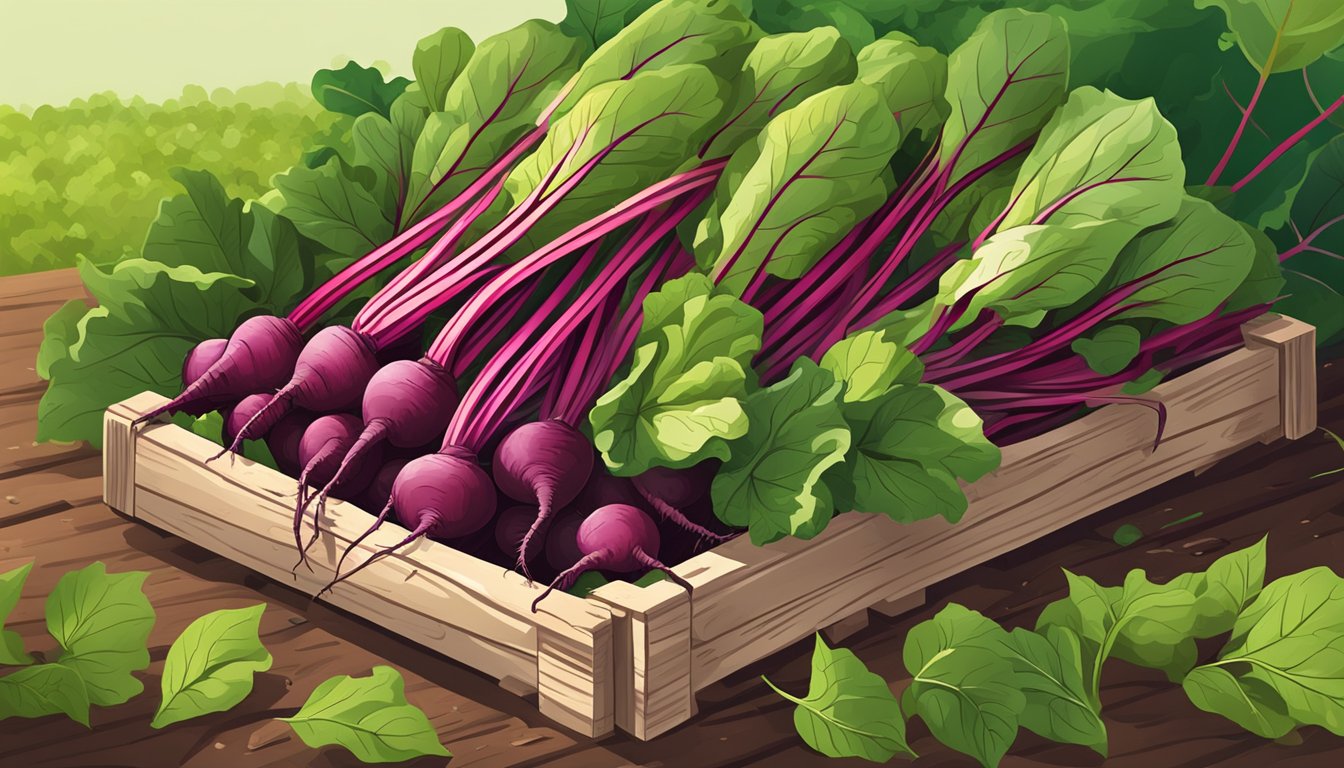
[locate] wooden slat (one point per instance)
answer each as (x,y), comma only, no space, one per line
(119,451)
(749,601)
(575,677)
(465,608)
(652,650)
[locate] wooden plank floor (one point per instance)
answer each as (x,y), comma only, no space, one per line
(50,512)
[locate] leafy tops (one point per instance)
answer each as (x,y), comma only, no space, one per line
(1103,169)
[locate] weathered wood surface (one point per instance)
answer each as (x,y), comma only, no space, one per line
(443,599)
(740,723)
(751,601)
(50,514)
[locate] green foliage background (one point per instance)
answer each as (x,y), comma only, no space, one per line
(87,178)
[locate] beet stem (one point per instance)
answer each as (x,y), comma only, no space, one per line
(565,580)
(676,517)
(303,499)
(653,563)
(545,495)
(382,516)
(427,522)
(281,400)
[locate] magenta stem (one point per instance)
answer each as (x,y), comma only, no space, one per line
(1288,144)
(1241,126)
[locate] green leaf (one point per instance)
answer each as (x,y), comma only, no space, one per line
(1290,641)
(848,711)
(909,447)
(354,90)
(817,170)
(1186,268)
(1109,350)
(102,622)
(772,483)
(1104,168)
(1002,85)
(368,716)
(1127,534)
(1282,35)
(1027,271)
(1100,157)
(438,60)
(671,33)
(779,73)
(213,232)
(1248,702)
(586,583)
(44,689)
(386,145)
(11,644)
(1315,272)
(912,79)
(1144,383)
(1143,623)
(58,332)
(149,316)
(962,685)
(683,396)
(870,366)
(596,21)
(1264,281)
(336,206)
(210,665)
(511,78)
(1222,591)
(643,128)
(1048,669)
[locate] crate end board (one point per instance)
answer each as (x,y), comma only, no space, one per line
(466,609)
(634,658)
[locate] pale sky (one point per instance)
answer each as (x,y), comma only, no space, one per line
(52,51)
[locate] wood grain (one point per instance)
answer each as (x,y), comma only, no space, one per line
(1295,342)
(749,601)
(470,610)
(652,651)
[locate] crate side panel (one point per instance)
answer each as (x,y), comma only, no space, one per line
(746,606)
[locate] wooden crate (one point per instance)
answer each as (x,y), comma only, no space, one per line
(634,658)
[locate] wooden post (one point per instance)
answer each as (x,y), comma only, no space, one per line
(575,674)
(652,645)
(119,449)
(1295,342)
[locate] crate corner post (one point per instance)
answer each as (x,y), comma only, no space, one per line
(652,654)
(575,676)
(1295,343)
(119,449)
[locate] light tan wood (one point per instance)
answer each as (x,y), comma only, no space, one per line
(750,602)
(899,606)
(1296,345)
(575,676)
(431,594)
(634,657)
(652,652)
(119,450)
(850,625)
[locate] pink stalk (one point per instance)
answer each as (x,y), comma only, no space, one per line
(910,287)
(1241,126)
(630,209)
(1288,144)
